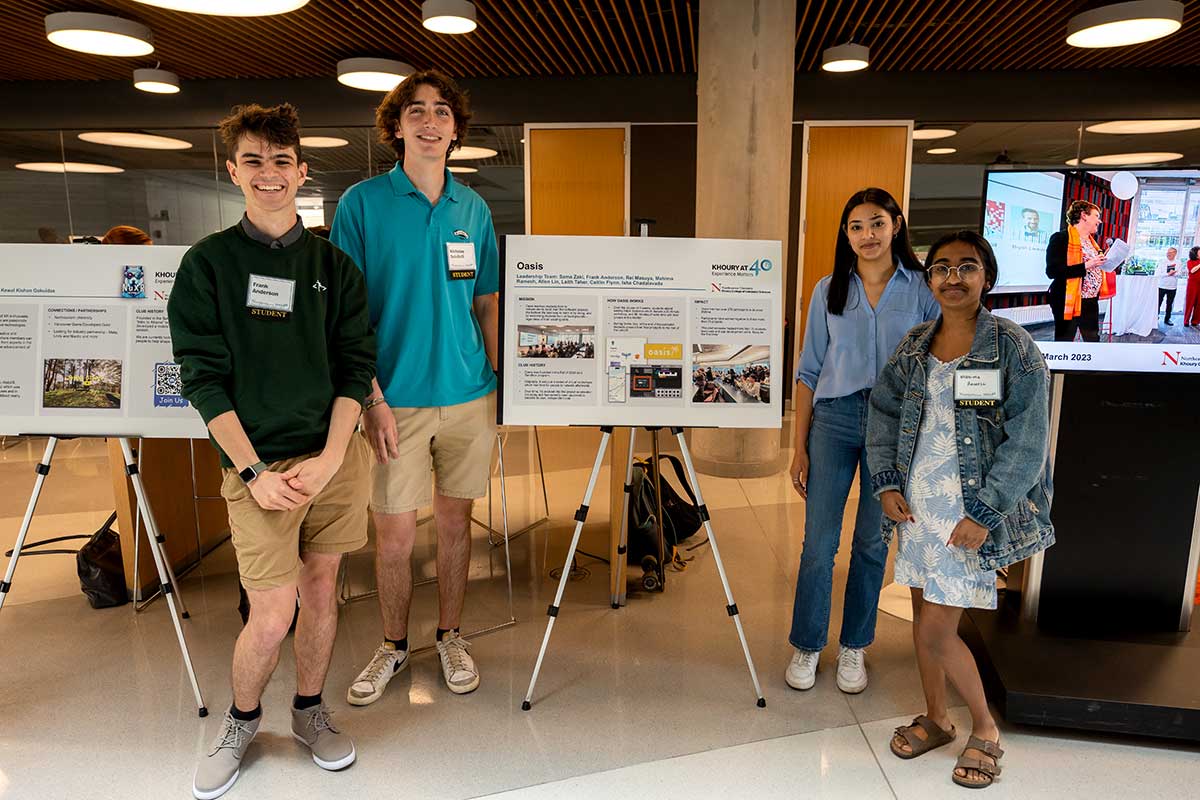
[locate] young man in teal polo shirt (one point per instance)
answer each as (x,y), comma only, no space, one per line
(428,250)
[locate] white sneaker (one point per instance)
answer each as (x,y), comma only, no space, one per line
(852,670)
(802,672)
(458,668)
(370,683)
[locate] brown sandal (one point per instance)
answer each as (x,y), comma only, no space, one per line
(989,770)
(935,736)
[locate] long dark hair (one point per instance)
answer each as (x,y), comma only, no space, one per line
(844,259)
(991,269)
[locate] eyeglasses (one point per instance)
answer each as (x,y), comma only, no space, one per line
(965,270)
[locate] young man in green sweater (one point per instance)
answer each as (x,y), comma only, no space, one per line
(271,328)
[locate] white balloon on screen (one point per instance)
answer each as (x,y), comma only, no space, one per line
(1124,185)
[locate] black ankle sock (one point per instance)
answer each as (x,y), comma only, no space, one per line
(245,716)
(399,644)
(443,631)
(303,701)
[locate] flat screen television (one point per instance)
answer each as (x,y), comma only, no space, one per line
(1023,208)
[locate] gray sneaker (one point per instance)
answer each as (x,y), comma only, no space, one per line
(221,765)
(458,668)
(331,749)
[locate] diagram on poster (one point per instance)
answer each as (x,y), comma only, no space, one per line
(85,348)
(641,331)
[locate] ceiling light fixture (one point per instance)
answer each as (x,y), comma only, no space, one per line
(448,16)
(846,58)
(322,141)
(942,151)
(99,34)
(142,141)
(1131,159)
(1145,126)
(1119,24)
(229,8)
(922,134)
(68,166)
(467,153)
(156,81)
(373,74)
(463,170)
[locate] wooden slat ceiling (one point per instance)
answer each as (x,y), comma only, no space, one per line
(575,38)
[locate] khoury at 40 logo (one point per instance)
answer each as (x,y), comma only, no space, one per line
(759,265)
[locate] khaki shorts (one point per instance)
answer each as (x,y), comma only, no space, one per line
(268,543)
(455,442)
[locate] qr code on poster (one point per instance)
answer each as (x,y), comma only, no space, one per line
(168,386)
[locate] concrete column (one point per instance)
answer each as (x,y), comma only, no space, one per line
(743,170)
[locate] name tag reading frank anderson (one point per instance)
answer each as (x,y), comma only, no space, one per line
(977,388)
(270,298)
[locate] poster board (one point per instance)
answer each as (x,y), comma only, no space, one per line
(612,330)
(85,349)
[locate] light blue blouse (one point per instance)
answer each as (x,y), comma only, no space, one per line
(844,353)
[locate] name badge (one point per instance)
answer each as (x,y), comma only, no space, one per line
(977,388)
(270,298)
(460,258)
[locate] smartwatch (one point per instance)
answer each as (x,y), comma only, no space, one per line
(251,472)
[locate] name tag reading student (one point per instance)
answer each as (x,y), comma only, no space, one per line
(977,388)
(460,258)
(270,298)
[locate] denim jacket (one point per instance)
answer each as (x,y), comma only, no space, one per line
(1003,451)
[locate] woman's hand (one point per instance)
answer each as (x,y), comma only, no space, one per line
(968,534)
(799,473)
(895,507)
(1095,261)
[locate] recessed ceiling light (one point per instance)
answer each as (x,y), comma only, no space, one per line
(69,166)
(373,74)
(462,170)
(941,151)
(322,141)
(1145,126)
(229,8)
(1132,159)
(1118,24)
(156,81)
(933,133)
(468,153)
(448,16)
(143,141)
(845,58)
(99,34)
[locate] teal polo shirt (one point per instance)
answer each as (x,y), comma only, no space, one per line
(430,347)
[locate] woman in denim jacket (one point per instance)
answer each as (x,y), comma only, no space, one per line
(957,445)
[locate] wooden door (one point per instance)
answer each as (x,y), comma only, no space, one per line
(577,181)
(841,161)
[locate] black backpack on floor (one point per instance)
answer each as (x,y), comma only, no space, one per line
(681,518)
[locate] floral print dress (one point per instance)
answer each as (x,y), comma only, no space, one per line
(948,576)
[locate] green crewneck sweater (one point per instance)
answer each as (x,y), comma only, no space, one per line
(277,349)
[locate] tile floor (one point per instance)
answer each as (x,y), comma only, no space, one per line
(653,700)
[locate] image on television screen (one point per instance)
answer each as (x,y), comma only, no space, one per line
(1138,310)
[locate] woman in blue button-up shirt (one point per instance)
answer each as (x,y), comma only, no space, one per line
(856,317)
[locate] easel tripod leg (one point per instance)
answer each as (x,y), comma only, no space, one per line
(580,517)
(618,598)
(43,469)
(731,608)
(159,563)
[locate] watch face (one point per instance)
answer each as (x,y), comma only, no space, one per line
(248,474)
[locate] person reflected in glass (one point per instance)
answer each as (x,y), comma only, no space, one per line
(1191,303)
(856,316)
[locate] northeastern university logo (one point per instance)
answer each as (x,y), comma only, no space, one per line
(1180,359)
(1173,358)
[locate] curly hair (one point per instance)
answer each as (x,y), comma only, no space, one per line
(1078,209)
(278,125)
(387,116)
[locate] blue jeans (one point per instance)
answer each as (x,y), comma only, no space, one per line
(836,446)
